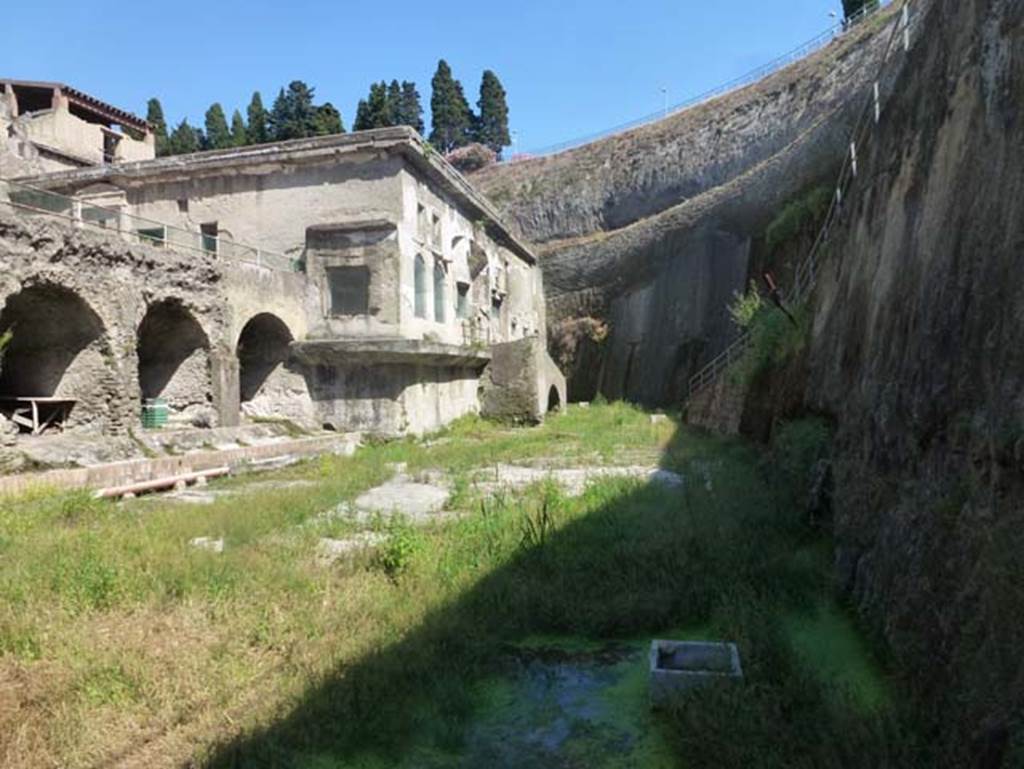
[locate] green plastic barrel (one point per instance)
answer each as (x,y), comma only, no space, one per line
(154,413)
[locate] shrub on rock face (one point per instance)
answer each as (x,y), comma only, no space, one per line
(472,157)
(564,338)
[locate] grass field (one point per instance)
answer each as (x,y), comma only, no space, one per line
(122,645)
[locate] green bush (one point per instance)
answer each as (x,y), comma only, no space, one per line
(400,547)
(797,215)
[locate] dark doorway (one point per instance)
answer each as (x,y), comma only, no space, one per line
(262,347)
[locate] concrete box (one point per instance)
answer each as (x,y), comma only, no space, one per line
(676,666)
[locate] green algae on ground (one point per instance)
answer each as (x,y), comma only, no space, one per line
(576,702)
(827,640)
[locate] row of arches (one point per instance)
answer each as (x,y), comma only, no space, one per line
(55,345)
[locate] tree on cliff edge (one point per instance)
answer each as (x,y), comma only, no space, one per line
(293,115)
(256,129)
(852,7)
(239,137)
(451,118)
(492,126)
(218,135)
(156,120)
(184,139)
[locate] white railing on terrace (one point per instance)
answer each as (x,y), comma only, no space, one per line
(816,43)
(117,222)
(807,270)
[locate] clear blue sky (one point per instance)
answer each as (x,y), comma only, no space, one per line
(571,67)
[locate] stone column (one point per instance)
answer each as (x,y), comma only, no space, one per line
(225,382)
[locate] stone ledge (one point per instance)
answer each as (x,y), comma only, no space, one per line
(389,352)
(138,470)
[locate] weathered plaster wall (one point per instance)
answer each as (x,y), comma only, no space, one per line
(271,205)
(392,399)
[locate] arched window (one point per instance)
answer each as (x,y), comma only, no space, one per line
(420,280)
(439,292)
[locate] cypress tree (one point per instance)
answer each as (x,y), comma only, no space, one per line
(410,110)
(218,136)
(239,136)
(451,118)
(327,120)
(184,139)
(492,126)
(155,118)
(256,131)
(362,121)
(293,115)
(377,106)
(393,101)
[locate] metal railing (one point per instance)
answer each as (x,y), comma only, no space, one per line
(136,229)
(806,48)
(807,270)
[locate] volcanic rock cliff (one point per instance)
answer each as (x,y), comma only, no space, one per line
(918,354)
(652,229)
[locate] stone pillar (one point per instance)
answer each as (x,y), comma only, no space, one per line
(225,383)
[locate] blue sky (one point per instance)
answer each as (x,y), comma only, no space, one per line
(570,67)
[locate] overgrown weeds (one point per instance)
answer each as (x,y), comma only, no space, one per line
(374,661)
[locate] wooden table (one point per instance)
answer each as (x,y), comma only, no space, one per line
(37,414)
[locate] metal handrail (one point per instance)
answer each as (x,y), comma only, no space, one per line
(806,271)
(127,226)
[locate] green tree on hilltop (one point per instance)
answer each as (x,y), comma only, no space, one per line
(492,125)
(852,7)
(410,111)
(256,129)
(394,103)
(218,135)
(155,118)
(374,111)
(293,115)
(451,118)
(184,139)
(327,120)
(239,136)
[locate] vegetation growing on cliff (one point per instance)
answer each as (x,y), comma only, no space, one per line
(776,337)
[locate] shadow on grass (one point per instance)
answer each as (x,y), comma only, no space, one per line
(726,553)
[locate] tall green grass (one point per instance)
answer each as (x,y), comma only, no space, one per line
(375,661)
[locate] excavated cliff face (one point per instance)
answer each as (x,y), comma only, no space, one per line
(651,230)
(918,353)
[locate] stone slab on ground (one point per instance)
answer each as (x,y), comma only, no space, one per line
(329,551)
(403,495)
(208,543)
(573,480)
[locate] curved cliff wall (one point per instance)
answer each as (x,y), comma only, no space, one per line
(918,352)
(651,229)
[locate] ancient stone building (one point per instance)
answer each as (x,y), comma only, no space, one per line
(52,126)
(355,282)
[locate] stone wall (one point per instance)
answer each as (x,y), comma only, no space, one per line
(76,303)
(521,383)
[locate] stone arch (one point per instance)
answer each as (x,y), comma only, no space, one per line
(174,358)
(271,383)
(554,399)
(262,348)
(57,347)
